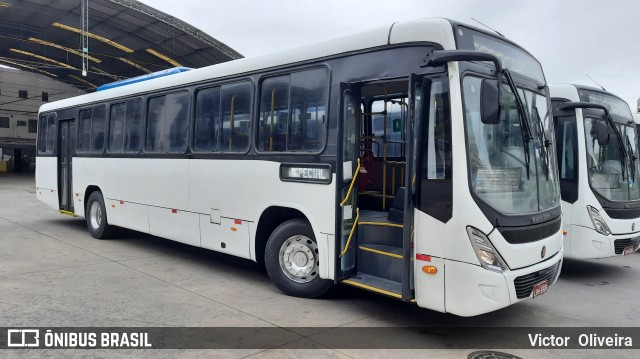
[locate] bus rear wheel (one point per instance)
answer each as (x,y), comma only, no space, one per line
(292,260)
(96,215)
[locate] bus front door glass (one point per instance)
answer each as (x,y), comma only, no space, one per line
(348,186)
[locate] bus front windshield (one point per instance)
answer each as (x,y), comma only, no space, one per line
(610,174)
(499,172)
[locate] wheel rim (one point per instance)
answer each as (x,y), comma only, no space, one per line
(95,215)
(299,259)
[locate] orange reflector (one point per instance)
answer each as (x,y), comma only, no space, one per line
(423,257)
(113,205)
(430,269)
(174,211)
(564,232)
(234,229)
(237,221)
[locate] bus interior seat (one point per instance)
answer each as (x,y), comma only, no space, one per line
(396,212)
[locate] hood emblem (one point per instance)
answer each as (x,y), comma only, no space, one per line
(543,252)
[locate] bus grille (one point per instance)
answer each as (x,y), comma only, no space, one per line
(621,244)
(527,234)
(524,283)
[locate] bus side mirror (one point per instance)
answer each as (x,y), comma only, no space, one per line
(490,101)
(603,133)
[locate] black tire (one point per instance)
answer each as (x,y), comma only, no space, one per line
(298,234)
(99,228)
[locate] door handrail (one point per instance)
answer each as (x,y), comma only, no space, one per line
(353,180)
(355,224)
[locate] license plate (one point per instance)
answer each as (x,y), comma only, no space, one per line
(628,250)
(540,288)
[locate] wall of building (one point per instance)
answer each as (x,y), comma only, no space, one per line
(21,94)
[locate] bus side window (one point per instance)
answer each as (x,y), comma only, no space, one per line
(236,108)
(176,122)
(207,112)
(167,123)
(133,126)
(42,134)
(98,123)
(84,130)
(116,127)
(274,113)
(308,96)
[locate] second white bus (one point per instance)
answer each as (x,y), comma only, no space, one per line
(597,147)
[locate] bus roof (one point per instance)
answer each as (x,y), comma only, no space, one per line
(439,30)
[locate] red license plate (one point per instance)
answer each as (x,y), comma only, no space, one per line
(628,250)
(540,288)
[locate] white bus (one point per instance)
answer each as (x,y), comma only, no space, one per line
(274,159)
(597,148)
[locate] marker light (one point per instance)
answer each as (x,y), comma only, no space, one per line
(599,223)
(487,254)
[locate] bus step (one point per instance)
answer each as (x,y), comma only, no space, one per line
(376,284)
(380,261)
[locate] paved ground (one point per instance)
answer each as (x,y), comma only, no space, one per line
(53,273)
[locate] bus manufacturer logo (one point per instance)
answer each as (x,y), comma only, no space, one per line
(541,218)
(543,252)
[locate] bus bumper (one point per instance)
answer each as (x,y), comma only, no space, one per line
(586,243)
(473,290)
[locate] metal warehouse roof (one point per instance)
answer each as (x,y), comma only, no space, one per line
(126,38)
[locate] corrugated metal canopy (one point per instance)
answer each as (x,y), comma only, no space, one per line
(126,38)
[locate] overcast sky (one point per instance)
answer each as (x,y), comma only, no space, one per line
(570,38)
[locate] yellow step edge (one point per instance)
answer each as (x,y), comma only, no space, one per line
(380,252)
(373,289)
(67,213)
(383,224)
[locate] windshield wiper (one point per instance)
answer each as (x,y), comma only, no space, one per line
(621,147)
(544,143)
(632,159)
(524,120)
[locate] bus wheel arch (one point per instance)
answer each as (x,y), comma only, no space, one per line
(270,219)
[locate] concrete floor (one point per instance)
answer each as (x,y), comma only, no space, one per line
(53,273)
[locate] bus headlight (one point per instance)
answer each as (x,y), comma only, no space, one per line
(598,222)
(487,254)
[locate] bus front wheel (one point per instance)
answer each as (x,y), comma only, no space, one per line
(292,260)
(96,215)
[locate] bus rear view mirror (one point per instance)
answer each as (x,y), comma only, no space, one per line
(603,133)
(490,101)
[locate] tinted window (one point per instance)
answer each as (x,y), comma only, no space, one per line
(167,123)
(236,112)
(51,133)
(42,134)
(274,114)
(98,127)
(206,123)
(84,130)
(125,130)
(91,127)
(293,112)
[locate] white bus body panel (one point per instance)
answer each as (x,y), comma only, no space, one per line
(47,181)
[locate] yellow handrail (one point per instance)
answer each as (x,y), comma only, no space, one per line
(273,103)
(231,127)
(355,223)
(353,180)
